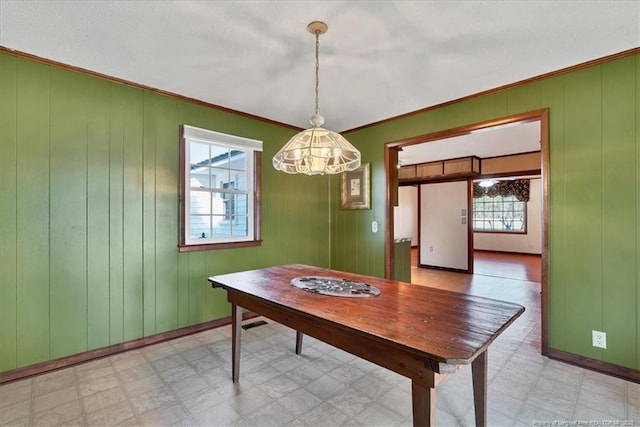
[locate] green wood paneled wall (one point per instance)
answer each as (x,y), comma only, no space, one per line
(594,199)
(89,214)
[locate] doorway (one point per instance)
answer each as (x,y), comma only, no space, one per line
(392,150)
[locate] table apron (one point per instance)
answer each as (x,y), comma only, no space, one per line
(406,363)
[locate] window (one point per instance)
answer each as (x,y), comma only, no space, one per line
(500,206)
(499,213)
(220,190)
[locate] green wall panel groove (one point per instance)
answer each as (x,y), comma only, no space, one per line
(33,216)
(98,154)
(8,213)
(68,214)
(619,211)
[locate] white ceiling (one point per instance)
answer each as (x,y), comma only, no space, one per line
(488,142)
(379,59)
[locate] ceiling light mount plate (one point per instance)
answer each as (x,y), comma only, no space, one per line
(318,27)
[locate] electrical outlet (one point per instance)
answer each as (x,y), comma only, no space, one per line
(599,339)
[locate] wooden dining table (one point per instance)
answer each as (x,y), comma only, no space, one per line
(416,331)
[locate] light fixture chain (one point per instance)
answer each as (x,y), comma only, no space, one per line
(317,68)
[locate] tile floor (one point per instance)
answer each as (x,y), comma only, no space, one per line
(187,381)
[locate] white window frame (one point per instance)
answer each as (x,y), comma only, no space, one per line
(253,150)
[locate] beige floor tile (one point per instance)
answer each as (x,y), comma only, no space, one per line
(94,370)
(201,400)
(272,414)
(135,373)
(168,362)
(22,422)
(165,416)
(57,380)
(11,413)
(177,373)
(15,392)
(504,403)
(121,362)
(185,343)
(350,401)
(299,402)
(220,414)
(278,386)
(609,403)
(56,399)
(346,373)
(158,351)
(112,415)
(534,415)
(379,415)
(398,399)
(557,389)
(209,337)
(103,399)
(89,374)
(96,385)
(324,415)
(503,384)
(196,353)
(189,386)
(152,400)
(58,415)
(593,415)
(250,401)
(633,414)
(143,385)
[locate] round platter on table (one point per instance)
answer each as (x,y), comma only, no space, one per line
(335,286)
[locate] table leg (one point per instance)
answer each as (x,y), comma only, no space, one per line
(236,329)
(424,404)
(299,336)
(479,374)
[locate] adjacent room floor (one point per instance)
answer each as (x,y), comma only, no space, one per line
(187,381)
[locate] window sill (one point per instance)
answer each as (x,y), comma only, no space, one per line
(213,246)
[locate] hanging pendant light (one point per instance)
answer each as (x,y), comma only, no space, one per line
(317,151)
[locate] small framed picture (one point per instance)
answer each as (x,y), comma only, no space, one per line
(356,188)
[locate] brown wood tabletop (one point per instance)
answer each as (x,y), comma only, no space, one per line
(444,326)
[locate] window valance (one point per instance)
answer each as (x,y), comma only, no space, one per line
(517,187)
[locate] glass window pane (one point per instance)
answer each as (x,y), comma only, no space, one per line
(200,227)
(198,154)
(238,160)
(219,156)
(220,177)
(200,178)
(218,204)
(241,204)
(200,203)
(240,226)
(221,227)
(239,180)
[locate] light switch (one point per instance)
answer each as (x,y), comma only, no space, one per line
(374,226)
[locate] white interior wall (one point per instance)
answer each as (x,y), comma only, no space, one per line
(443,237)
(405,216)
(531,242)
